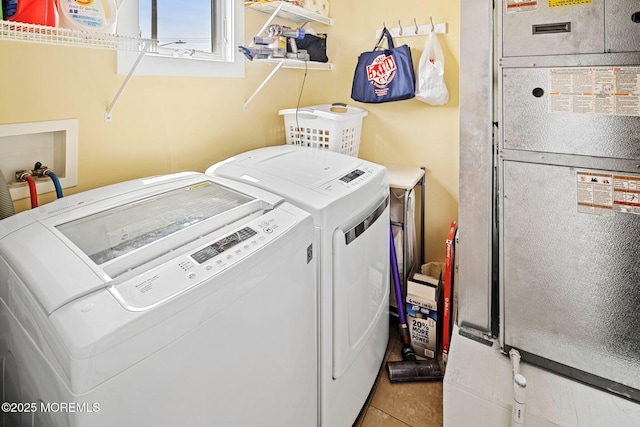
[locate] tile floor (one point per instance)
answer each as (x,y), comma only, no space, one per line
(411,404)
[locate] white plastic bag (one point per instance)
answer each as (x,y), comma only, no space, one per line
(431,87)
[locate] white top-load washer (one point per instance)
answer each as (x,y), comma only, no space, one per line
(348,198)
(179,300)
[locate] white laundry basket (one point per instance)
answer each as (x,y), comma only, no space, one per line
(334,127)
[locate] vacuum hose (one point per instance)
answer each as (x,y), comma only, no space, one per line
(6,204)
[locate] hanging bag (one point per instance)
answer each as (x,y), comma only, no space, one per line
(384,75)
(314,44)
(431,87)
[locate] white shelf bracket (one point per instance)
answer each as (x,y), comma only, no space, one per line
(145,49)
(271,74)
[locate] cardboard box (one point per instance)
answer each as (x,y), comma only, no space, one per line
(422,313)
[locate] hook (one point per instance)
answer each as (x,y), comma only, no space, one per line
(384,25)
(433,29)
(416,24)
(399,25)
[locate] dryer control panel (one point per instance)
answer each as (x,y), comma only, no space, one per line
(350,181)
(184,272)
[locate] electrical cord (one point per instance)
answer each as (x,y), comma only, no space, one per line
(304,79)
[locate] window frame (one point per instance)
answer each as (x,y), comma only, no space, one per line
(172,61)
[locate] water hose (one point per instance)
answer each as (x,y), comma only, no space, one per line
(6,203)
(33,193)
(56,182)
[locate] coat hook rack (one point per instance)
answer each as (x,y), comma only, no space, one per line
(415,30)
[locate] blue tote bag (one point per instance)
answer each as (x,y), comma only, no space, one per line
(384,75)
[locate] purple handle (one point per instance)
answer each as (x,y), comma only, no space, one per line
(396,279)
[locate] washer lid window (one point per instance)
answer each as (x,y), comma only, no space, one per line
(115,232)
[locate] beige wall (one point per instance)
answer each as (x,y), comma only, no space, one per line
(410,132)
(170,124)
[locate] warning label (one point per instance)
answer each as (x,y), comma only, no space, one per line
(611,91)
(608,193)
(594,193)
(521,5)
(626,194)
(557,3)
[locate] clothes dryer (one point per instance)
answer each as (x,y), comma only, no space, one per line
(349,200)
(179,300)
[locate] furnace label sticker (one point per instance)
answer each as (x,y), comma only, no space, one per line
(514,6)
(626,194)
(594,193)
(613,91)
(558,3)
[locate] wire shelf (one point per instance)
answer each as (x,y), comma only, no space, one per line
(42,34)
(289,11)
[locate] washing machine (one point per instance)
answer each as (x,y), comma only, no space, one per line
(349,200)
(178,300)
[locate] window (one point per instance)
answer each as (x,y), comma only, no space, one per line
(164,20)
(195,38)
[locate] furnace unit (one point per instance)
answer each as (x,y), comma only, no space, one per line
(549,190)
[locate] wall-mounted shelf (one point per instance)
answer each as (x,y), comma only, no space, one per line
(42,34)
(295,14)
(290,12)
(298,64)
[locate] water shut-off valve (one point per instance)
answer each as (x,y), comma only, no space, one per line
(37,171)
(21,175)
(41,172)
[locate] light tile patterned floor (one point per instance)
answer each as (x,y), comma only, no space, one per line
(411,404)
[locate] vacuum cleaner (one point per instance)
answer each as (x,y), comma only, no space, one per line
(409,368)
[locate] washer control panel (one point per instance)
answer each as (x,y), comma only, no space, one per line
(174,277)
(222,245)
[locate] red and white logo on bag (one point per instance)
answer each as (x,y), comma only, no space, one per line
(381,72)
